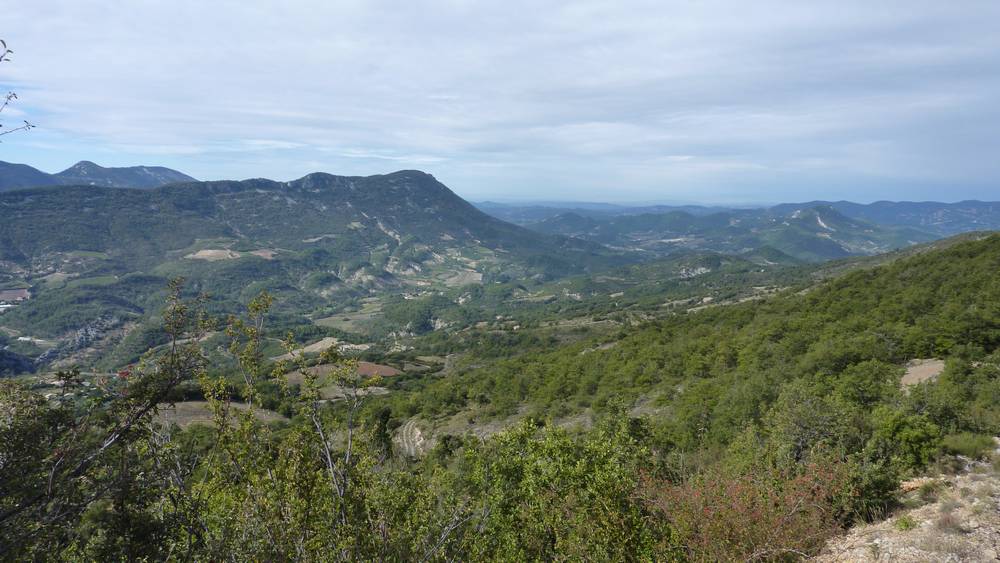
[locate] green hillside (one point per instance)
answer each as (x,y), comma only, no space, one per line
(934,304)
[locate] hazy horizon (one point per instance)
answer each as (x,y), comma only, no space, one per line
(545,201)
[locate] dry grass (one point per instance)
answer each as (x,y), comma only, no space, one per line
(948,546)
(950,522)
(264,253)
(187,413)
(950,465)
(949,505)
(213,255)
(314,348)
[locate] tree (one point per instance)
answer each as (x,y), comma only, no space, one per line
(71,462)
(5,54)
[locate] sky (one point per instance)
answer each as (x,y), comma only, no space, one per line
(670,101)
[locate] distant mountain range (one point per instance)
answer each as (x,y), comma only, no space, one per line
(526,213)
(810,234)
(942,219)
(794,228)
(937,217)
(85,173)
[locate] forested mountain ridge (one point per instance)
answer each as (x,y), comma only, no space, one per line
(310,212)
(318,242)
(740,401)
(89,174)
(86,173)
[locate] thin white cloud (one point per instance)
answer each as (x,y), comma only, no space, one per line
(671,100)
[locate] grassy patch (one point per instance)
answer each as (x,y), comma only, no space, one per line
(975,446)
(87,254)
(947,546)
(99,281)
(354,321)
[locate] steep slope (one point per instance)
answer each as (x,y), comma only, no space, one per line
(951,516)
(85,173)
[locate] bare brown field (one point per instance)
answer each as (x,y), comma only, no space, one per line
(333,392)
(369,369)
(465,277)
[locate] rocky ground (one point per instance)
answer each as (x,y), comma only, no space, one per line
(951,516)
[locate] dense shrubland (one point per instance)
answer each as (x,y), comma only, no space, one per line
(766,428)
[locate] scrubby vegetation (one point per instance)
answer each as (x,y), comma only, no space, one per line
(752,431)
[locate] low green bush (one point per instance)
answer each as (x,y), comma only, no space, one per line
(905,523)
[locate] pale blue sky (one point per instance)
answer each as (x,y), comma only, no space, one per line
(695,101)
